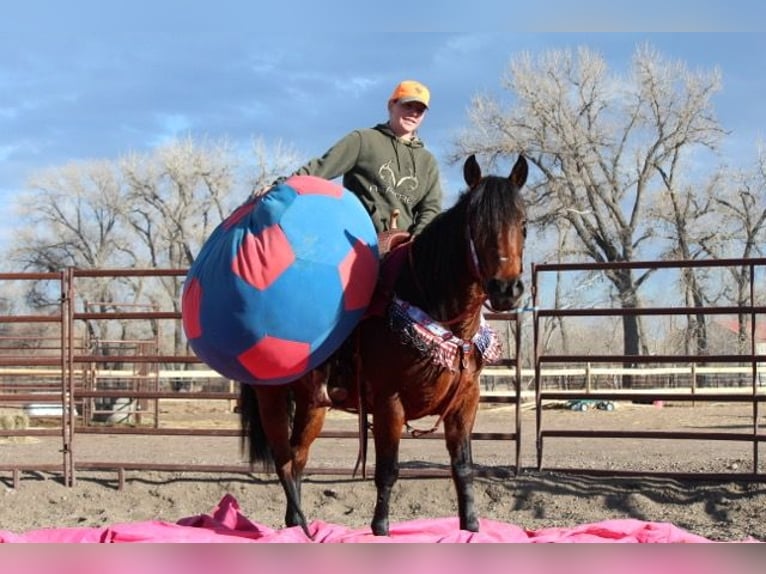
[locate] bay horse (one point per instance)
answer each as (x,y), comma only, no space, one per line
(418,351)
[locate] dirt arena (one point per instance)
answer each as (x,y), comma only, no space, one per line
(728,511)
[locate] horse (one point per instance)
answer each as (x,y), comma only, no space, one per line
(418,351)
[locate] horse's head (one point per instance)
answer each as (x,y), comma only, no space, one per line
(497,228)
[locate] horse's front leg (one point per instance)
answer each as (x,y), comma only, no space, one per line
(387,422)
(458,426)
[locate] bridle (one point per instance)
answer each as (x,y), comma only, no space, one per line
(474,264)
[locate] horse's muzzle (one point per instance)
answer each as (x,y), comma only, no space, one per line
(504,295)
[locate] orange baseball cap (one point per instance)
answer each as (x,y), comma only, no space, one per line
(411,91)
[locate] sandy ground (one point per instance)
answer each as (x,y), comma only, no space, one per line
(727,511)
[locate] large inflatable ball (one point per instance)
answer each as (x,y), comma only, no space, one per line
(282,282)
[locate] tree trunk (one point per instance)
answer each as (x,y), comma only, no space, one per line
(630,333)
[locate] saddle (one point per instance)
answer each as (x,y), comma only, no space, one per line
(392,237)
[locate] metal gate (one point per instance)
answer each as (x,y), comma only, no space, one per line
(87,376)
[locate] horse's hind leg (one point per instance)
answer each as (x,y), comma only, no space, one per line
(310,411)
(274,410)
(458,426)
(387,423)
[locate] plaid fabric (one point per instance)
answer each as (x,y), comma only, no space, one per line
(430,338)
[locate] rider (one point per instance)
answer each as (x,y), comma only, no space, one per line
(387,166)
(392,173)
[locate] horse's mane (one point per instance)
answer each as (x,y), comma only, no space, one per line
(440,251)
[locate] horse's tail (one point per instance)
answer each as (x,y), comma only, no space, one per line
(252,434)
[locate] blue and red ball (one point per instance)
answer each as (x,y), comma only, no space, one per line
(282,282)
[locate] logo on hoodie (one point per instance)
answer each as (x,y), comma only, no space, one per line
(402,188)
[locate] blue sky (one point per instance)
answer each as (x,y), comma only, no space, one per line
(86,80)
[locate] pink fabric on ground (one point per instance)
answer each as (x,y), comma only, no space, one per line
(227,524)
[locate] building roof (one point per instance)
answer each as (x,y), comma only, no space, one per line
(732,325)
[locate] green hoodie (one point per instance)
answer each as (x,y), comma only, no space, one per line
(385,173)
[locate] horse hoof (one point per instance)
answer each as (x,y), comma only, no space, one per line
(305,528)
(380,529)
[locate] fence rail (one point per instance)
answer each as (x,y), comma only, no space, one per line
(98,386)
(752,359)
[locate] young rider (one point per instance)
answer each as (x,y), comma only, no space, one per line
(387,166)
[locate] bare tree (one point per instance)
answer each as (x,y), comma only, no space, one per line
(270,161)
(72,218)
(601,143)
(682,213)
(177,194)
(563,295)
(739,216)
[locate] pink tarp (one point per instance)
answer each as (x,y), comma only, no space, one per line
(227,524)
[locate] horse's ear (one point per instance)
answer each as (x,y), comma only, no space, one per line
(519,172)
(471,171)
